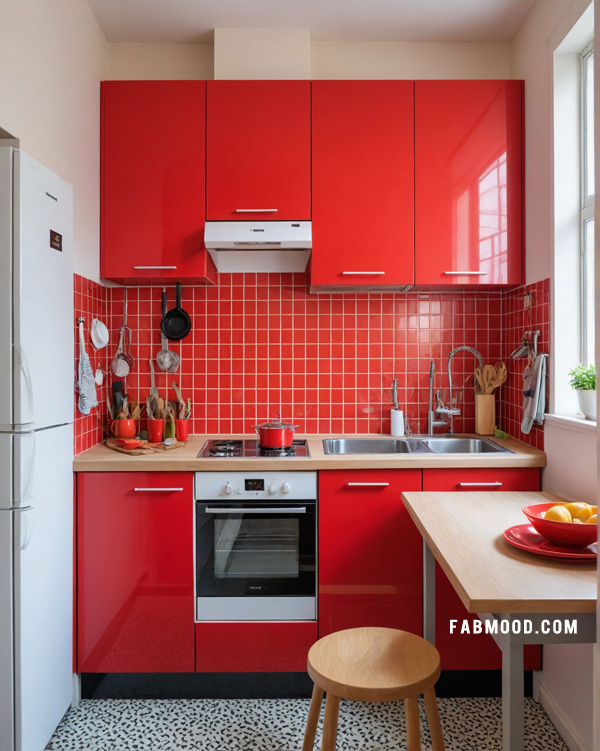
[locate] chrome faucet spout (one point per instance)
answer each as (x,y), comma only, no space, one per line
(462,348)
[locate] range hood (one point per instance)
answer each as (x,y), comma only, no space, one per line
(259,246)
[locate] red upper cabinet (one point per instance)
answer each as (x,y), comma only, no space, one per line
(468,182)
(152,181)
(135,572)
(258,150)
(363,183)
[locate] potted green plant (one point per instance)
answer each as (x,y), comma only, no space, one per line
(583,379)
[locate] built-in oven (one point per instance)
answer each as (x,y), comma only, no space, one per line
(256,546)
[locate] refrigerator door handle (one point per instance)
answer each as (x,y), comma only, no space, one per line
(24,458)
(24,524)
(26,399)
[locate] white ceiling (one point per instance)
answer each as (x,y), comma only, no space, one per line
(374,20)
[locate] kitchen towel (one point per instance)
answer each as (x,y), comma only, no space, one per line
(534,393)
(86,383)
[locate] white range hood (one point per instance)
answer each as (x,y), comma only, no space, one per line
(259,246)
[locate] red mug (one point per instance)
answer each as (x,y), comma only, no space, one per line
(181,430)
(123,428)
(156,429)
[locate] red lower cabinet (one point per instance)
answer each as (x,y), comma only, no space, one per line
(254,646)
(370,552)
(135,575)
(469,651)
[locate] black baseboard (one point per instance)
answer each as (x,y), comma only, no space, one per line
(475,683)
(452,683)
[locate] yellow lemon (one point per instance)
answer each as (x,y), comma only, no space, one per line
(584,513)
(592,520)
(557,514)
(577,521)
(573,508)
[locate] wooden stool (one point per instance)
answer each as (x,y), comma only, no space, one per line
(373,664)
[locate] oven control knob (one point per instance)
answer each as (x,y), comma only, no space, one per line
(228,490)
(272,489)
(285,488)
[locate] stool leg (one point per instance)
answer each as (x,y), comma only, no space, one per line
(433,720)
(313,719)
(332,707)
(413,727)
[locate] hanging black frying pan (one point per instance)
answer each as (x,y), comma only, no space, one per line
(176,323)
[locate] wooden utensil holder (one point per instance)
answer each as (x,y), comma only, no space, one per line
(485,414)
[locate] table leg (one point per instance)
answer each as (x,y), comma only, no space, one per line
(513,696)
(428,594)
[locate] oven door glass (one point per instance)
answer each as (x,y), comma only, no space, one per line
(253,549)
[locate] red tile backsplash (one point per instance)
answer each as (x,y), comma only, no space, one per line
(91,301)
(516,320)
(260,343)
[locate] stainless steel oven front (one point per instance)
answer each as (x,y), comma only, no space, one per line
(256,546)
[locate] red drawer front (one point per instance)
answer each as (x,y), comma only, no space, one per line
(254,646)
(135,594)
(370,552)
(473,651)
(482,480)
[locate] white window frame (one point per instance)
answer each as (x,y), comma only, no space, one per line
(587,209)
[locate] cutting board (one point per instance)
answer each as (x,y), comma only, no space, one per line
(146,448)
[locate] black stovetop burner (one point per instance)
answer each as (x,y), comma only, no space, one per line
(242,448)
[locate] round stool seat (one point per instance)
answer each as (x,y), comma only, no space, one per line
(373,664)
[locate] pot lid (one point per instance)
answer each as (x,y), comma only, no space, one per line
(276,423)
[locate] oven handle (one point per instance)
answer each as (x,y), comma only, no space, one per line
(298,510)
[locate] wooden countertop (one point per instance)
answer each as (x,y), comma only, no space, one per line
(465,533)
(102,459)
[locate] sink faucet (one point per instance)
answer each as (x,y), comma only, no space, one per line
(431,413)
(451,411)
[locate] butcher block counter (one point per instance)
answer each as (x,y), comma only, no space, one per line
(102,459)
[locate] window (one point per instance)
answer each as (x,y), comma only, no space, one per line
(587,205)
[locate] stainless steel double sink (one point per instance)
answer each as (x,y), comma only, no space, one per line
(416,445)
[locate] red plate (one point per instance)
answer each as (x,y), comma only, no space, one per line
(525,537)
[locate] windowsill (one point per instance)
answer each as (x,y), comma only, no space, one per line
(578,423)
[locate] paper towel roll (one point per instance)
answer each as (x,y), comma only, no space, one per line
(397,422)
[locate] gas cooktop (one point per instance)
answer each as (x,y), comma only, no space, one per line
(238,448)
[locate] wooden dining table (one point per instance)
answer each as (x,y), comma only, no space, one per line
(531,599)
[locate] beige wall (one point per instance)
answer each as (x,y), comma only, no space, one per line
(327,60)
(152,62)
(52,58)
(412,60)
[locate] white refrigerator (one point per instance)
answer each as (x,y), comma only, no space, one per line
(36,450)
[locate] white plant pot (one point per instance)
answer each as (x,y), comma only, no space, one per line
(587,403)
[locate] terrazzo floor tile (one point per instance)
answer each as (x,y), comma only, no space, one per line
(278,725)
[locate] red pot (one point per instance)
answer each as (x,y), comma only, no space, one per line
(275,434)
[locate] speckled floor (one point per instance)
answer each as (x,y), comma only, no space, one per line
(278,724)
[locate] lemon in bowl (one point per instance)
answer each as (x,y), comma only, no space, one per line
(554,521)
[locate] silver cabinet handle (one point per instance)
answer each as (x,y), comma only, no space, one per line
(299,510)
(465,273)
(256,211)
(363,273)
(367,484)
(496,484)
(158,490)
(155,267)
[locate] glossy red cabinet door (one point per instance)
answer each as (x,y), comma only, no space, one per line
(468,182)
(135,572)
(370,552)
(363,183)
(258,150)
(254,646)
(152,181)
(472,651)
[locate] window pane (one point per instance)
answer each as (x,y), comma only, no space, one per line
(589,125)
(588,292)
